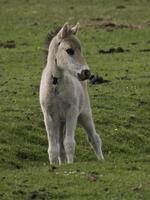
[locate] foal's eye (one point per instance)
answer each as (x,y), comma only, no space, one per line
(70,51)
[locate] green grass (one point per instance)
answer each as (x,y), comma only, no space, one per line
(120,107)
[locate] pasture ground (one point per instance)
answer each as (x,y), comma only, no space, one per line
(115,36)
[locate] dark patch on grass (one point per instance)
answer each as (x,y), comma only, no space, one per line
(4,83)
(2,194)
(96,79)
(8,44)
(94,172)
(16,165)
(17,192)
(44,194)
(120,7)
(145,50)
(35,24)
(106,189)
(133,168)
(33,195)
(137,188)
(2,160)
(142,103)
(110,25)
(113,50)
(3,178)
(134,43)
(97,19)
(3,141)
(25,181)
(71,7)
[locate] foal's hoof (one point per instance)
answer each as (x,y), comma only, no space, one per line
(52,168)
(100,157)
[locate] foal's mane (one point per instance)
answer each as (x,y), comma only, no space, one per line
(48,40)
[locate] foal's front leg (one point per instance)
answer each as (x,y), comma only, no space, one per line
(86,121)
(69,141)
(52,132)
(62,153)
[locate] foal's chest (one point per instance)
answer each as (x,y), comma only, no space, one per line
(64,98)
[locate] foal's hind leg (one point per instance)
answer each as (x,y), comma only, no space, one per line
(52,132)
(86,121)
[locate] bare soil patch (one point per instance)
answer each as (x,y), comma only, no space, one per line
(111,25)
(113,50)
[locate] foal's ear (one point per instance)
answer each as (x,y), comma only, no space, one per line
(75,28)
(64,31)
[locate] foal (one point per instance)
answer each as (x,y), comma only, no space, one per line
(64,98)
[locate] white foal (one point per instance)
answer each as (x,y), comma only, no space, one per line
(64,98)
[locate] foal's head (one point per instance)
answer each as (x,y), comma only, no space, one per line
(66,50)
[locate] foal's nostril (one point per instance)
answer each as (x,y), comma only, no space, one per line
(84,75)
(87,73)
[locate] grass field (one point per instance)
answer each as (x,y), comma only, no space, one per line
(120,107)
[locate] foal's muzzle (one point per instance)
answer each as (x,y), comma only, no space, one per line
(84,75)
